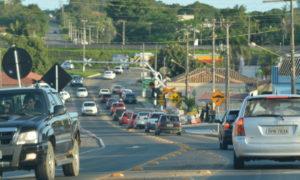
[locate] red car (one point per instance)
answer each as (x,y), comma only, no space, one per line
(125,118)
(132,121)
(119,105)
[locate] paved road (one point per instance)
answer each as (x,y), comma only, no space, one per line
(141,156)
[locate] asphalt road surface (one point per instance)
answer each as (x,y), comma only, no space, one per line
(109,150)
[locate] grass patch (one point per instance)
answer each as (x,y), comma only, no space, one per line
(88,72)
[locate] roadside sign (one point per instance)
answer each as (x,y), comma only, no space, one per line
(63,77)
(175,97)
(218,98)
(10,66)
(161,99)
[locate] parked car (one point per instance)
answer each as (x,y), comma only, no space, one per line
(126,116)
(118,114)
(152,121)
(141,120)
(89,108)
(267,128)
(116,89)
(82,92)
(109,75)
(118,70)
(29,130)
(110,101)
(130,98)
(116,105)
(225,129)
(168,123)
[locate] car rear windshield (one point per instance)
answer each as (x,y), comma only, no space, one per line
(281,106)
(82,90)
(232,116)
(89,104)
(106,95)
(155,116)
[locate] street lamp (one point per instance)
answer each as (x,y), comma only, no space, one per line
(186,77)
(253,44)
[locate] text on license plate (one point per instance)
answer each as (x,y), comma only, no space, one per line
(169,125)
(277,130)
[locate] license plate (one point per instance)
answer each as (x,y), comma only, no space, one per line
(277,130)
(169,125)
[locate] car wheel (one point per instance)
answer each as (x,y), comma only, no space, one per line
(46,168)
(238,162)
(156,133)
(223,145)
(72,169)
(178,134)
(147,130)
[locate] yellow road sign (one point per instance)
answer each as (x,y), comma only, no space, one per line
(218,98)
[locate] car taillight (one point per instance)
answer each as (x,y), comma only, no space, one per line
(239,129)
(226,126)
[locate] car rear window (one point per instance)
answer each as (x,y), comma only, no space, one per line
(82,90)
(289,106)
(89,104)
(155,116)
(232,116)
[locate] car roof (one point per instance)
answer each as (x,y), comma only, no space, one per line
(26,89)
(89,102)
(273,96)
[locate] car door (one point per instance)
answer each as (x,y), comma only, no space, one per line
(61,125)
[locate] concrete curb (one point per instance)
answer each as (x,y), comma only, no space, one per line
(92,135)
(94,75)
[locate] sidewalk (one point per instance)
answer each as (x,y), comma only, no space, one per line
(210,129)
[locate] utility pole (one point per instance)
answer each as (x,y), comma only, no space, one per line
(194,39)
(123,33)
(187,67)
(227,75)
(63,13)
(83,43)
(293,70)
(155,64)
(249,30)
(213,58)
(90,34)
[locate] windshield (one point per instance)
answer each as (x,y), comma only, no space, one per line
(273,106)
(21,103)
(155,116)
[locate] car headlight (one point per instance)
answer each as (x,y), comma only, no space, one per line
(30,137)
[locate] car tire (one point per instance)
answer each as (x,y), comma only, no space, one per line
(223,145)
(178,134)
(238,162)
(72,169)
(45,169)
(147,130)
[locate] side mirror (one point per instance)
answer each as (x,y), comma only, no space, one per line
(59,110)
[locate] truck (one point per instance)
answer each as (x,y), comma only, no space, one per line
(37,132)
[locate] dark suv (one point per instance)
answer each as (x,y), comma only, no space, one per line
(225,131)
(37,132)
(169,124)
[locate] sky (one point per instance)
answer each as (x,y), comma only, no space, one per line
(252,5)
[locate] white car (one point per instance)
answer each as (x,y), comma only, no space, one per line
(65,96)
(109,75)
(118,70)
(67,65)
(89,108)
(82,92)
(267,127)
(141,120)
(104,91)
